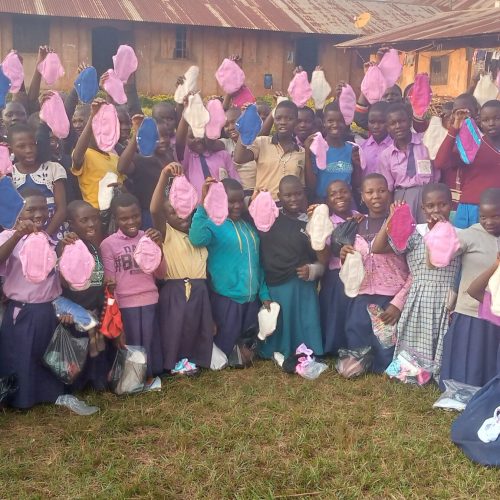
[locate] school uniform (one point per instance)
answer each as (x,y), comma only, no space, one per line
(407,172)
(136,294)
(284,248)
(186,323)
(247,171)
(28,324)
(371,154)
(236,276)
(471,347)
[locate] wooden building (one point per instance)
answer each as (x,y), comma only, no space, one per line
(272,36)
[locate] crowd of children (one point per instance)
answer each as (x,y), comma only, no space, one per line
(215,276)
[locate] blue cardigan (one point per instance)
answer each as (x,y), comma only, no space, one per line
(233,257)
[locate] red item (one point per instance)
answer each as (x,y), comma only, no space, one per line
(111,320)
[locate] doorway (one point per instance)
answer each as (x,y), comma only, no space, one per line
(306,54)
(105,43)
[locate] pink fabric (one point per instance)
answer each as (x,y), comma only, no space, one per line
(76,265)
(347,103)
(125,62)
(485,311)
(51,68)
(300,89)
(421,94)
(6,166)
(371,152)
(373,85)
(442,244)
(243,96)
(147,255)
(13,70)
(217,119)
(264,211)
(391,67)
(216,203)
(38,257)
(468,141)
(53,113)
(319,147)
(114,87)
(183,197)
(401,227)
(230,76)
(106,128)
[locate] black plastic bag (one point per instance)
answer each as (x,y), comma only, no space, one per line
(8,386)
(344,234)
(66,355)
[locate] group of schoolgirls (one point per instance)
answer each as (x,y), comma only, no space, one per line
(230,217)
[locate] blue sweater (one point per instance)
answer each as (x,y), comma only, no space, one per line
(233,257)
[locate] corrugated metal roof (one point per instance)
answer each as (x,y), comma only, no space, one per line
(459,4)
(455,24)
(299,16)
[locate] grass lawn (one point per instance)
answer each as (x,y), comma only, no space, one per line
(255,433)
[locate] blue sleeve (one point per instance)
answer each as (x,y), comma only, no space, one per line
(200,233)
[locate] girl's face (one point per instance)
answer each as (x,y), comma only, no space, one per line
(23,145)
(392,94)
(490,122)
(398,125)
(305,124)
(163,147)
(376,125)
(195,144)
(335,124)
(235,203)
(129,220)
(339,198)
(125,126)
(489,218)
(79,120)
(292,197)
(285,121)
(36,210)
(175,221)
(166,115)
(86,223)
(230,127)
(13,114)
(436,203)
(376,196)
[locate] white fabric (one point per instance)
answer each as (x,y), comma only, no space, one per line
(352,274)
(494,287)
(105,194)
(490,430)
(320,89)
(219,359)
(189,85)
(434,136)
(320,227)
(485,90)
(268,320)
(196,115)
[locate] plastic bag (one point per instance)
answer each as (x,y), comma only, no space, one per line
(75,405)
(354,362)
(66,355)
(386,334)
(8,386)
(128,373)
(219,359)
(411,368)
(311,369)
(84,320)
(343,234)
(455,396)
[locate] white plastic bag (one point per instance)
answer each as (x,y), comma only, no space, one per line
(219,359)
(456,395)
(128,373)
(485,90)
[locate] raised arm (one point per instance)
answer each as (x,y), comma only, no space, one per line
(126,163)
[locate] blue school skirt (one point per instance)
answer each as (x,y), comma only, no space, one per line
(359,331)
(467,215)
(186,326)
(22,345)
(232,320)
(141,328)
(471,351)
(333,304)
(298,321)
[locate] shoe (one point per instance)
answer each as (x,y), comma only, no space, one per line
(490,430)
(155,385)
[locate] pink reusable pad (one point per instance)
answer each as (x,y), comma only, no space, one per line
(230,76)
(421,94)
(494,286)
(347,103)
(114,87)
(147,255)
(319,147)
(125,62)
(373,85)
(51,68)
(53,113)
(5,162)
(77,265)
(38,258)
(442,244)
(391,67)
(216,203)
(183,196)
(401,227)
(485,311)
(264,211)
(300,89)
(217,119)
(242,97)
(106,127)
(468,141)
(13,70)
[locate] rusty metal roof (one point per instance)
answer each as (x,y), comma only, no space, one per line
(447,25)
(299,16)
(459,4)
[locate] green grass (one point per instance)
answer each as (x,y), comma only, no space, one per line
(255,433)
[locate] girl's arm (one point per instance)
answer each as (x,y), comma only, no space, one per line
(478,286)
(309,171)
(242,154)
(357,173)
(23,228)
(34,90)
(200,234)
(181,138)
(126,163)
(59,189)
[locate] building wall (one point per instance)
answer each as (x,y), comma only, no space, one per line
(262,52)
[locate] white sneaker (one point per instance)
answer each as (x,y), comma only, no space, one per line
(155,385)
(490,430)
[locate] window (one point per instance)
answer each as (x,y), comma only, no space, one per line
(29,32)
(180,51)
(439,70)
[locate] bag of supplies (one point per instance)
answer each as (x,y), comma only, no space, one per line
(128,373)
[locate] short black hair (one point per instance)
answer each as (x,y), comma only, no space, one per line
(494,103)
(289,105)
(437,187)
(372,177)
(19,128)
(470,99)
(289,179)
(490,196)
(307,109)
(331,106)
(339,181)
(380,107)
(74,206)
(123,200)
(231,185)
(28,192)
(398,107)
